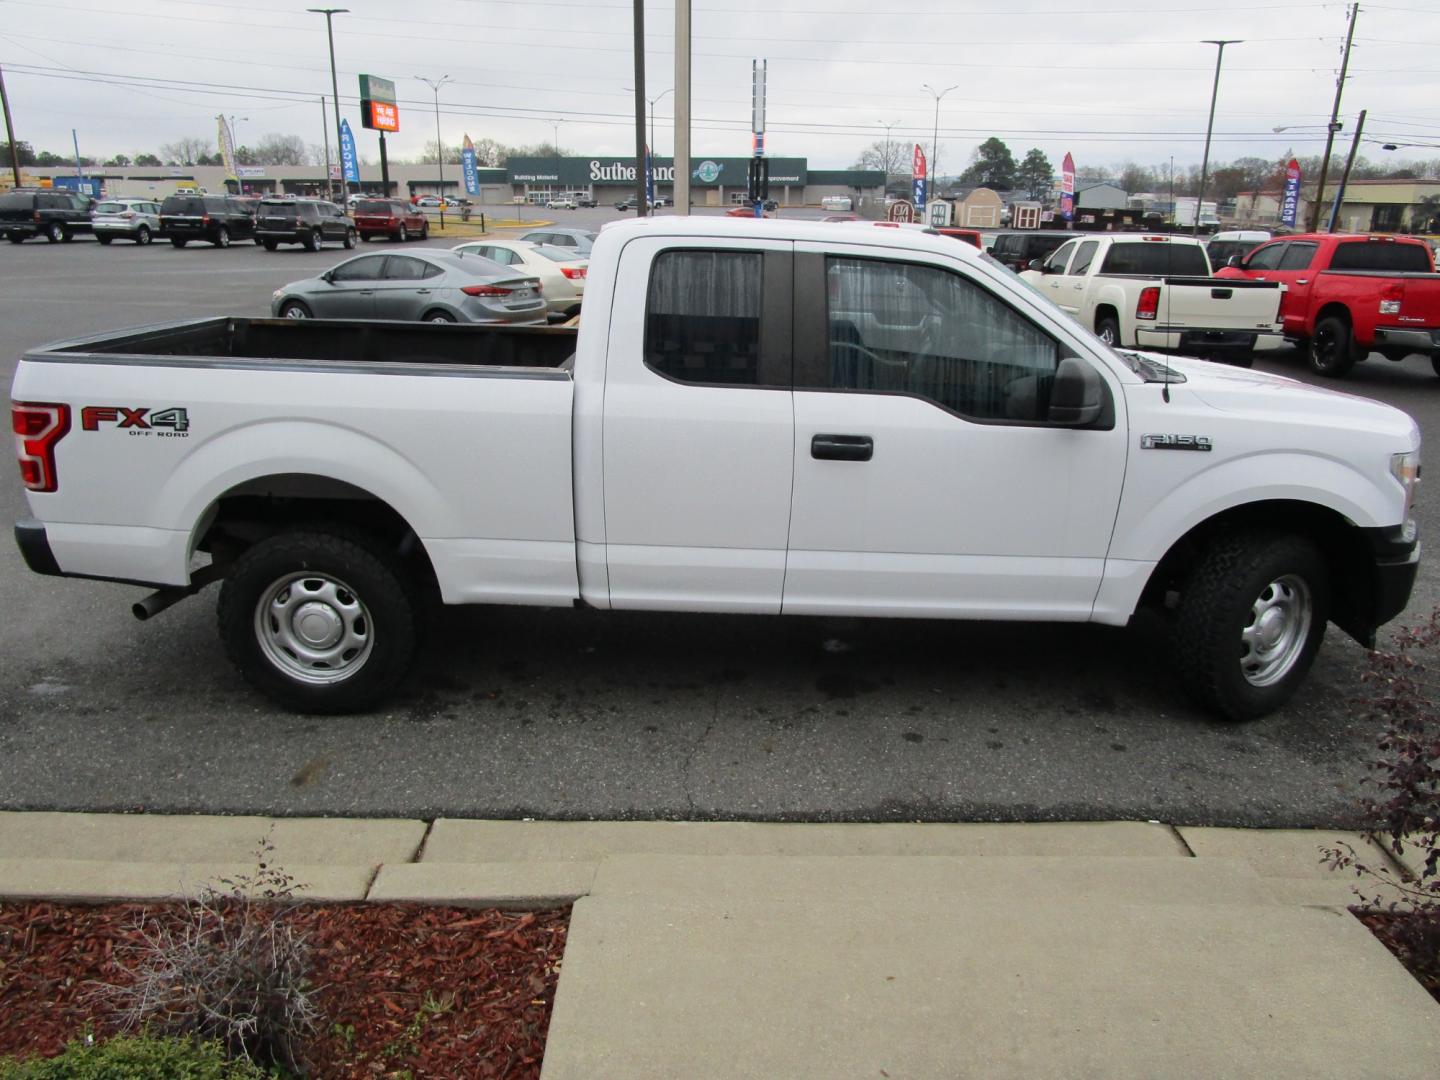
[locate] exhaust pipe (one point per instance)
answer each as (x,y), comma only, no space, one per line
(168,597)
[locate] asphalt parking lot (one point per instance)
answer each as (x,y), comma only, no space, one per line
(576,714)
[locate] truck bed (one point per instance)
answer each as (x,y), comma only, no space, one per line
(316,344)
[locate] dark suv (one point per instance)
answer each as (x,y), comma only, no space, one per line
(302,221)
(1017,249)
(217,219)
(55,215)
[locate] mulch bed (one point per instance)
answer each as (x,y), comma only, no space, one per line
(375,964)
(1390,929)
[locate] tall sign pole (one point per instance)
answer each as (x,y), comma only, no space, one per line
(15,150)
(378,112)
(1334,122)
(1345,176)
(759,167)
(642,205)
(682,107)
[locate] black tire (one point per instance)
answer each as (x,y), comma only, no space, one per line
(103,239)
(402,235)
(295,309)
(359,597)
(1108,331)
(16,237)
(312,240)
(1435,364)
(270,245)
(142,235)
(1240,573)
(438,316)
(349,240)
(222,237)
(66,236)
(54,233)
(425,231)
(177,242)
(1332,348)
(366,237)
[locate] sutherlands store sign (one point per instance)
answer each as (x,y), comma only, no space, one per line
(600,172)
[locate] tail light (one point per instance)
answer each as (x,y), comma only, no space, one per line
(38,427)
(484,290)
(1390,297)
(574,273)
(205,220)
(1149,303)
(36,215)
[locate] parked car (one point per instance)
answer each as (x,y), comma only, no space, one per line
(126,219)
(672,454)
(561,271)
(1347,296)
(1018,250)
(1224,246)
(563,202)
(837,202)
(56,215)
(309,222)
(218,219)
(433,201)
(744,210)
(394,218)
(580,241)
(583,199)
(627,204)
(424,285)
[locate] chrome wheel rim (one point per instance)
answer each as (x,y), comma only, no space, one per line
(1278,628)
(314,628)
(293,311)
(1107,335)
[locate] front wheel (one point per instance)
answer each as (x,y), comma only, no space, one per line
(16,237)
(222,238)
(294,309)
(425,231)
(318,621)
(54,233)
(349,239)
(1108,331)
(440,316)
(270,245)
(102,239)
(1332,347)
(312,240)
(1250,621)
(175,241)
(402,235)
(142,237)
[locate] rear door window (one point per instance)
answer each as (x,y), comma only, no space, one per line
(404,268)
(702,317)
(1298,256)
(366,268)
(1380,255)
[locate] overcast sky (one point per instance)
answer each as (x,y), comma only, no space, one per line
(1109,80)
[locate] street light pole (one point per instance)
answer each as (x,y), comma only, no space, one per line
(334,89)
(935,139)
(10,131)
(439,145)
(885,165)
(1209,127)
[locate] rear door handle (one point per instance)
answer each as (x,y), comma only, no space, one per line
(842,447)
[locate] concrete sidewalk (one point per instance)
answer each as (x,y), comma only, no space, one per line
(756,950)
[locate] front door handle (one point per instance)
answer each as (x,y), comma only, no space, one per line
(1302,281)
(842,447)
(423,292)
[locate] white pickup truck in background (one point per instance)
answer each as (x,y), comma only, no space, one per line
(1156,292)
(758,416)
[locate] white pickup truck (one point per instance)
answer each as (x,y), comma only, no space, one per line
(1156,292)
(758,416)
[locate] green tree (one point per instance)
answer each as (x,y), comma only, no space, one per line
(992,165)
(27,154)
(148,161)
(119,161)
(1035,175)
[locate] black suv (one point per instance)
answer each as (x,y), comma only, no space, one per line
(302,221)
(218,219)
(1017,249)
(55,215)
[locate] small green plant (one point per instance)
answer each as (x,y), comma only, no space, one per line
(137,1057)
(230,966)
(408,1041)
(1405,705)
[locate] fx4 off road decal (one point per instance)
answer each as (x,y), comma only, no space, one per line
(1176,442)
(171,423)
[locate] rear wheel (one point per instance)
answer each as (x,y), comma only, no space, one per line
(15,237)
(319,621)
(66,235)
(1108,331)
(54,233)
(222,237)
(349,239)
(270,245)
(178,242)
(142,235)
(103,239)
(1332,348)
(1250,621)
(439,316)
(402,235)
(425,231)
(312,240)
(294,309)
(1435,364)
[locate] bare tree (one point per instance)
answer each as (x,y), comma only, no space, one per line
(275,149)
(890,156)
(186,151)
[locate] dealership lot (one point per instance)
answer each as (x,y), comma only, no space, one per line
(582,714)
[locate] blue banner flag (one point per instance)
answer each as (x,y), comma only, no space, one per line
(649,180)
(1290,206)
(349,160)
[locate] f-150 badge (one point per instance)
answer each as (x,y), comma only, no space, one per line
(1176,442)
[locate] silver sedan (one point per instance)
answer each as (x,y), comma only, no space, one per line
(430,286)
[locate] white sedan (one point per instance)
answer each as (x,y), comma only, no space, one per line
(561,272)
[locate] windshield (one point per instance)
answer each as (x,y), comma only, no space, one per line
(556,254)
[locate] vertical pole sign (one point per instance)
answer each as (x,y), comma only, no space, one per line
(917,173)
(467,166)
(349,160)
(759,167)
(379,113)
(1290,206)
(1067,188)
(649,178)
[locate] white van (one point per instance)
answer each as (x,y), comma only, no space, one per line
(837,202)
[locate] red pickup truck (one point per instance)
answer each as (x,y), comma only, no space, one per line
(1349,295)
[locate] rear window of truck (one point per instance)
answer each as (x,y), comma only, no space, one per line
(1184,260)
(1373,255)
(183,204)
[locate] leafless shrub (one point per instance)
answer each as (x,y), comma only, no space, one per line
(228,965)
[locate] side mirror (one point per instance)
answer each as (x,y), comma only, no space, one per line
(1233,260)
(1035,264)
(1078,396)
(328,277)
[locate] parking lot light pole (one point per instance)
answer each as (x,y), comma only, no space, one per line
(1210,127)
(439,145)
(329,13)
(934,169)
(885,165)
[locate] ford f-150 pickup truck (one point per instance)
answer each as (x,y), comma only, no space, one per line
(1347,296)
(1156,292)
(778,417)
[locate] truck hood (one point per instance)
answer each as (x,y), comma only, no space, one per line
(1270,398)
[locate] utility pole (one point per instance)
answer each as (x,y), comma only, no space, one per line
(1334,121)
(682,107)
(10,129)
(642,204)
(1210,127)
(439,145)
(1345,176)
(335,90)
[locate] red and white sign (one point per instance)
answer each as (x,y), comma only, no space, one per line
(384,116)
(918,169)
(901,212)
